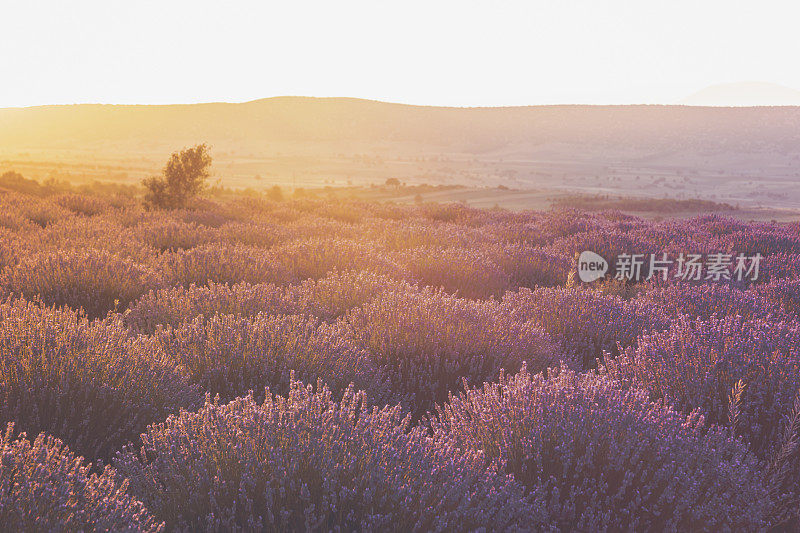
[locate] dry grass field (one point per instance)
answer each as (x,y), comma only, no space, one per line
(745,157)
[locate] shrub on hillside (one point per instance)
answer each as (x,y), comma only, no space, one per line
(18,183)
(184,177)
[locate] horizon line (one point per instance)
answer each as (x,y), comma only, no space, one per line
(388,102)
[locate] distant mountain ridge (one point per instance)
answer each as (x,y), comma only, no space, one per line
(737,155)
(348,120)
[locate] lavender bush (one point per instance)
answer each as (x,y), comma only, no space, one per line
(429,341)
(167,234)
(315,258)
(230,356)
(97,282)
(695,363)
(132,315)
(44,487)
(707,300)
(82,204)
(86,383)
(585,323)
(331,297)
(175,306)
(306,462)
(784,293)
(219,263)
(600,457)
(470,273)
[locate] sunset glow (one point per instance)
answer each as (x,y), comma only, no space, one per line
(431,53)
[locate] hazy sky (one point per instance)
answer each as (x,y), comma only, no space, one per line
(441,53)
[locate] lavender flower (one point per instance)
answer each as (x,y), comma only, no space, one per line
(600,457)
(44,487)
(306,462)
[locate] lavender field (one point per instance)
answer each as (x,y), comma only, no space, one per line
(247,364)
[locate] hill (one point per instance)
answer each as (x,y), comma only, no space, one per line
(470,130)
(737,155)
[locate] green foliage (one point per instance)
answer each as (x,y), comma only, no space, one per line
(184,177)
(275,193)
(17,182)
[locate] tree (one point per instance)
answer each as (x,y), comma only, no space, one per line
(275,193)
(184,177)
(393,182)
